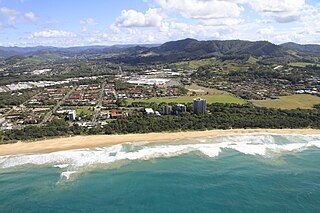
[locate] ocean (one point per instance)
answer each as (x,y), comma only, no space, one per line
(236,173)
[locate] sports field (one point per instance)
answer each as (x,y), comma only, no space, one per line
(303,101)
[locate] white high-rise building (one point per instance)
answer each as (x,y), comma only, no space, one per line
(72,115)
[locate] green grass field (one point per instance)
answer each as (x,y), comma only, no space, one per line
(195,64)
(301,64)
(199,90)
(84,110)
(222,98)
(291,102)
(252,60)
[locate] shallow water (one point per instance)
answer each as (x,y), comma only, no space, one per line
(247,173)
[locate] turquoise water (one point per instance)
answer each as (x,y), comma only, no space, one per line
(252,173)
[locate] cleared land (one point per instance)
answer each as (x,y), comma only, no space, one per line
(194,64)
(199,90)
(223,98)
(252,60)
(302,64)
(291,102)
(225,65)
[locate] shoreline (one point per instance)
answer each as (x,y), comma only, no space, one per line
(93,141)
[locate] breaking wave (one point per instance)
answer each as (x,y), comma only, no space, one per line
(72,161)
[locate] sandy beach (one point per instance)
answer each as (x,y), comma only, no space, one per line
(79,142)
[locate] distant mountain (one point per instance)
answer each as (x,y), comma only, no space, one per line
(135,45)
(189,49)
(26,50)
(310,49)
(6,52)
(186,49)
(193,47)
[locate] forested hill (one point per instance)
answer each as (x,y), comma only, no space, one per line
(310,49)
(229,47)
(169,52)
(189,49)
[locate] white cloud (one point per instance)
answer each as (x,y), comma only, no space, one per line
(203,9)
(277,6)
(114,28)
(30,16)
(311,17)
(11,14)
(53,34)
(89,22)
(164,27)
(133,18)
(207,12)
(266,31)
(221,21)
(227,12)
(283,11)
(305,31)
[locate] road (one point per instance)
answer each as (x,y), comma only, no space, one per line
(99,104)
(48,115)
(120,71)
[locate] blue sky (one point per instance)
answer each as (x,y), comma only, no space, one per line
(108,22)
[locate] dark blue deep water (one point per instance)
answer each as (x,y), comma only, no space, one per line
(280,180)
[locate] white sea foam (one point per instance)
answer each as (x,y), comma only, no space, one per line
(61,166)
(67,174)
(314,143)
(72,161)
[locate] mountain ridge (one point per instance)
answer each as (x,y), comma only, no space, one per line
(168,52)
(309,49)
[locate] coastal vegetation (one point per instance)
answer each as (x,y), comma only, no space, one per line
(220,116)
(222,98)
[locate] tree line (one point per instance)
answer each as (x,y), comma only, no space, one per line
(220,116)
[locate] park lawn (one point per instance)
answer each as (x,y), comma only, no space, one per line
(199,90)
(84,110)
(223,98)
(302,101)
(301,64)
